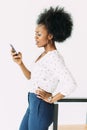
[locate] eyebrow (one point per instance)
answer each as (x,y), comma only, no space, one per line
(37,32)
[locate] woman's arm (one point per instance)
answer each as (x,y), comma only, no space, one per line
(25,71)
(56,98)
(18,59)
(46,96)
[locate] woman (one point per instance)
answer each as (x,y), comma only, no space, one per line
(50,78)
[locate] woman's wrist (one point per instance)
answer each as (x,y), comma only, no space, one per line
(21,63)
(55,98)
(50,98)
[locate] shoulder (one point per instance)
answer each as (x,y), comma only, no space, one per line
(55,61)
(55,57)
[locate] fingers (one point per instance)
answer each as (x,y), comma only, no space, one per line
(45,99)
(41,93)
(17,57)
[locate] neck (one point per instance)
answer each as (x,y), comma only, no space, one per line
(50,47)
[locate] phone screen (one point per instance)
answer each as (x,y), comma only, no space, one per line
(13,49)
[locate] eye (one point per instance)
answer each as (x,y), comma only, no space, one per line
(38,34)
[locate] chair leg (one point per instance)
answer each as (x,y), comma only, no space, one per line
(86,118)
(55,122)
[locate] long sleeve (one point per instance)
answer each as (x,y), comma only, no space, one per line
(67,83)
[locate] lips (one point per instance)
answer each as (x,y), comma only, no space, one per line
(37,42)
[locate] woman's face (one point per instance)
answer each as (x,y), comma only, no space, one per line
(42,36)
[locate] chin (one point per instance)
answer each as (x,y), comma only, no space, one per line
(39,46)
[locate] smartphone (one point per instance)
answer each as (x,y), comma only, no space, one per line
(13,49)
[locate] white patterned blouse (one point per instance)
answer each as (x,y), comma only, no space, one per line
(51,74)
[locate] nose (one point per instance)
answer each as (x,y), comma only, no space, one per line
(36,37)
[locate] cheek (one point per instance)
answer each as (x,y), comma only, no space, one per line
(44,40)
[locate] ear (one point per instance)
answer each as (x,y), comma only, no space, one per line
(50,36)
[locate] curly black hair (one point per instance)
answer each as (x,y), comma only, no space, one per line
(58,23)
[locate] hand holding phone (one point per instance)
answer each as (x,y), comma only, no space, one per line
(17,57)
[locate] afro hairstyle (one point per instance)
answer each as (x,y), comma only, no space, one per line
(58,23)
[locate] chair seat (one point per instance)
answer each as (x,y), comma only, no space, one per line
(72,127)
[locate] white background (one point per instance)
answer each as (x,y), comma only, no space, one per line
(17,25)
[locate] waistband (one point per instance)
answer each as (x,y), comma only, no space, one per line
(33,97)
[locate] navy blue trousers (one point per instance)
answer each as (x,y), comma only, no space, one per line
(39,114)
